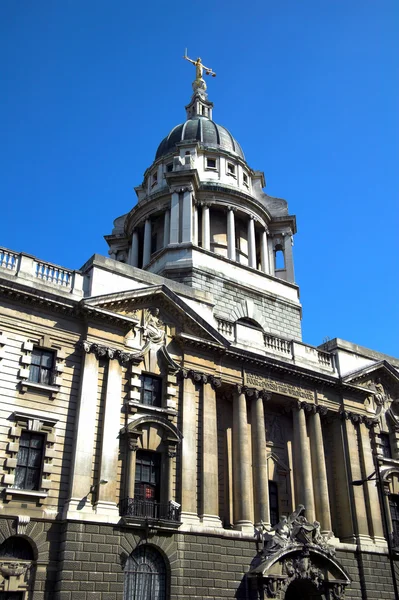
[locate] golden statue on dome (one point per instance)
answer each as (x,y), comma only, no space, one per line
(199,82)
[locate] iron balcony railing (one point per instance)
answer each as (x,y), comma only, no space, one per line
(147,510)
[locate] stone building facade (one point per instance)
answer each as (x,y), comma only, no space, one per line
(164,431)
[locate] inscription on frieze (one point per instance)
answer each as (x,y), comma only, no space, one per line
(279,387)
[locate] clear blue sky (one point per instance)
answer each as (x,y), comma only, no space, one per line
(310,89)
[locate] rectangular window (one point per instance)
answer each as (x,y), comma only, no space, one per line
(245,179)
(151,390)
(169,168)
(273,503)
(147,476)
(231,169)
(385,445)
(29,461)
(155,178)
(41,367)
(394,508)
(211,163)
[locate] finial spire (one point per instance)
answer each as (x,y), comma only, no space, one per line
(199,84)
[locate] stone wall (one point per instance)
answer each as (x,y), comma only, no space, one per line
(282,318)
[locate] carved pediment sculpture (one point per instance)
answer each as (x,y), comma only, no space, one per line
(154,329)
(294,530)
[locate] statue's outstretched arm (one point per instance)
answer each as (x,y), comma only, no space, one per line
(189,60)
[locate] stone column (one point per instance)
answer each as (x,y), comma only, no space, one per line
(189,453)
(170,456)
(107,492)
(84,446)
(187,217)
(206,228)
(134,252)
(174,219)
(147,243)
(371,490)
(209,482)
(131,467)
(322,502)
(241,464)
(355,473)
(264,254)
(259,453)
(303,466)
(251,243)
(231,234)
(195,224)
(166,228)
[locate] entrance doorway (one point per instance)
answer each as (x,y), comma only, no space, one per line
(303,590)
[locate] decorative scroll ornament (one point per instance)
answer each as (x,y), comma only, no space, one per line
(292,531)
(154,329)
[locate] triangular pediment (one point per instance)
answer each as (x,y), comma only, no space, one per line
(133,305)
(378,373)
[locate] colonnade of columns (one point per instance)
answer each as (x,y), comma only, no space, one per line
(310,474)
(181,224)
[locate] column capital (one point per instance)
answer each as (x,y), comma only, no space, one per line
(232,208)
(179,189)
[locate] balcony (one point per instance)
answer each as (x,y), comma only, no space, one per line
(139,511)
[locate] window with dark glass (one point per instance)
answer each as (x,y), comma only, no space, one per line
(29,461)
(147,477)
(41,369)
(211,163)
(145,575)
(151,390)
(273,503)
(231,169)
(386,445)
(169,168)
(394,508)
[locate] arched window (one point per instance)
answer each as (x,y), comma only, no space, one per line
(17,548)
(145,575)
(279,258)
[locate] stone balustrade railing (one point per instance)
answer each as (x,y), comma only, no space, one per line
(277,344)
(296,352)
(32,270)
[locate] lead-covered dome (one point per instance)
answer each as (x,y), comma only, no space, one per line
(202,130)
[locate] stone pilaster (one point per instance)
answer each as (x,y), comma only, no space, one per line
(355,473)
(189,453)
(174,218)
(84,445)
(107,492)
(166,228)
(187,217)
(371,490)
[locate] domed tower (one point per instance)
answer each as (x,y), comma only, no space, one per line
(203,219)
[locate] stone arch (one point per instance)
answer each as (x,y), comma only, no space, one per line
(17,565)
(146,573)
(166,546)
(248,310)
(273,576)
(152,432)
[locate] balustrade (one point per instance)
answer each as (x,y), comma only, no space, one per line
(53,274)
(8,259)
(278,344)
(147,510)
(324,359)
(226,328)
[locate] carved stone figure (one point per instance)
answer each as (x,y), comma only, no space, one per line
(153,326)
